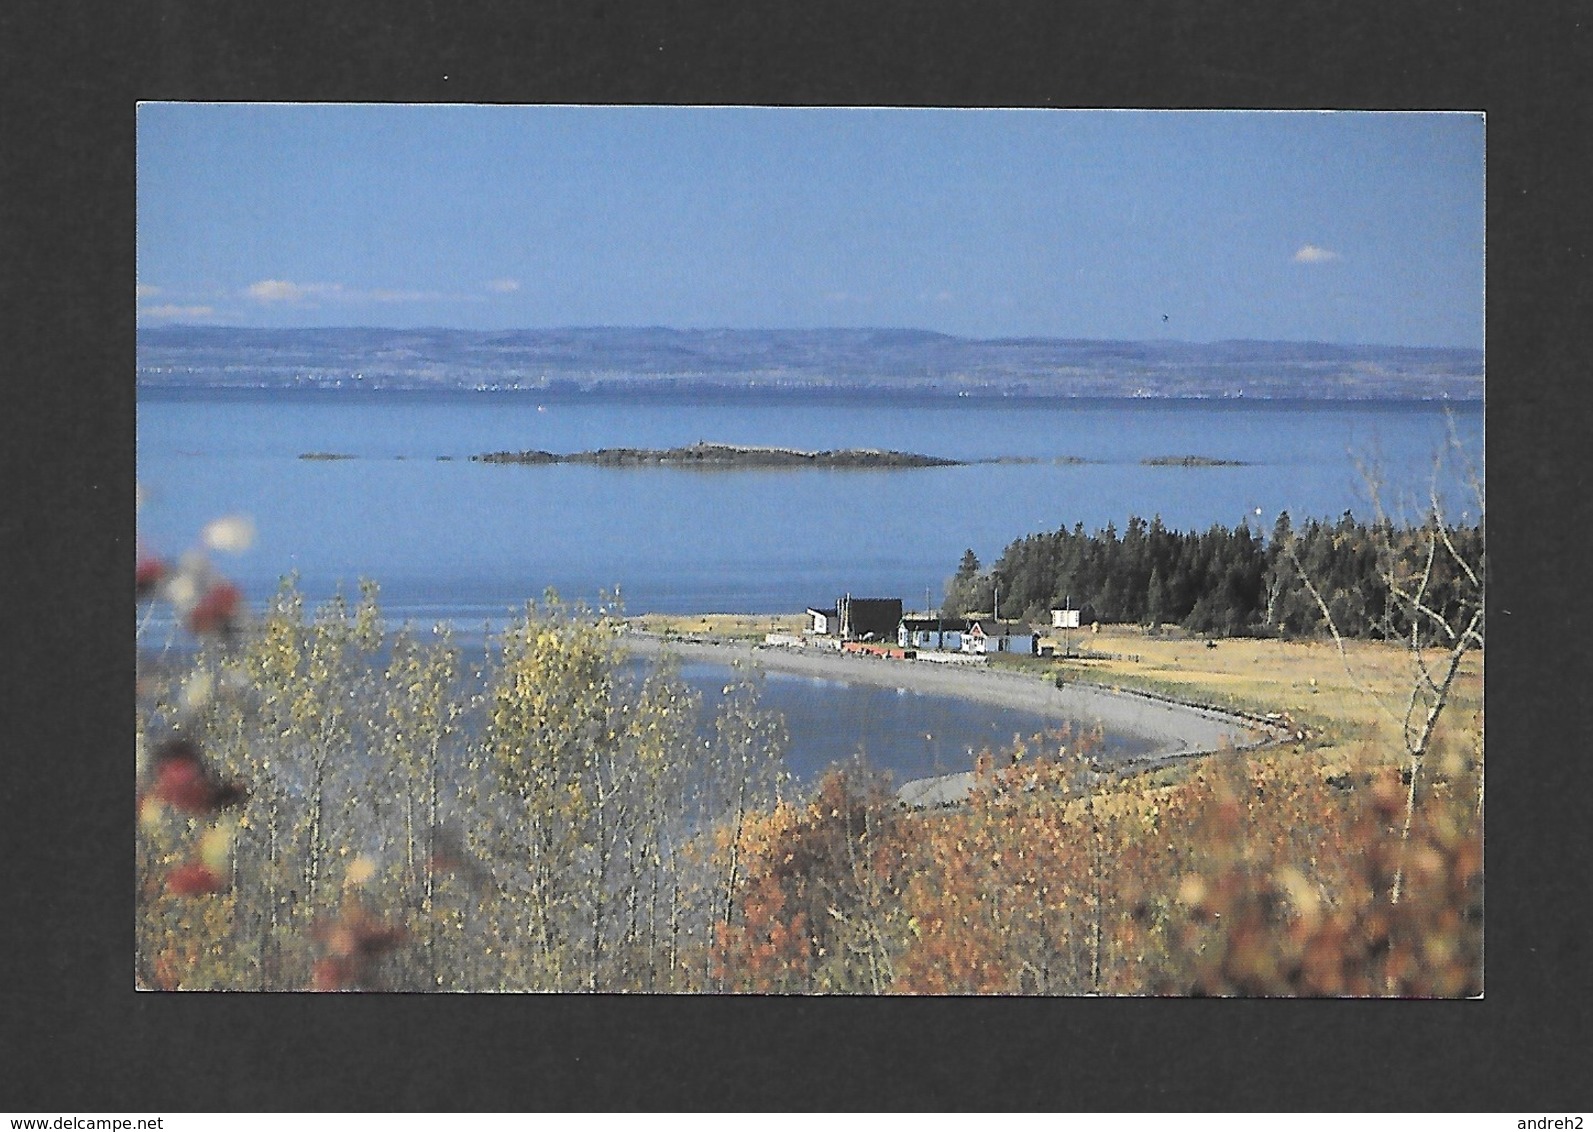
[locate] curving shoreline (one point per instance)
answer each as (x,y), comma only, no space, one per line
(1175,730)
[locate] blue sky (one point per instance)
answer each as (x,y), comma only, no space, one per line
(1337,227)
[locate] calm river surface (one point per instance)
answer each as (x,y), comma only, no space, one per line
(448,538)
(910,734)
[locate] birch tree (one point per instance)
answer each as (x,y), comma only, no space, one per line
(1434,572)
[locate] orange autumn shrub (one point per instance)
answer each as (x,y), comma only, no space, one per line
(818,907)
(1252,876)
(1250,920)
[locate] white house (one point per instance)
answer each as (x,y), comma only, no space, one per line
(824,622)
(986,636)
(929,634)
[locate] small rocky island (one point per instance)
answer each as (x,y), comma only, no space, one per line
(705,455)
(1192,462)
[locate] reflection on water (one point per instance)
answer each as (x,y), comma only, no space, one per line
(910,734)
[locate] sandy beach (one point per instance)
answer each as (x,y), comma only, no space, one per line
(1175,730)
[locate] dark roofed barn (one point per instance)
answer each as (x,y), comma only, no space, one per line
(864,618)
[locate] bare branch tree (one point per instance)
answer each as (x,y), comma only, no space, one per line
(1435,607)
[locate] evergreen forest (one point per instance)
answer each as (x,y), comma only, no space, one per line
(1229,581)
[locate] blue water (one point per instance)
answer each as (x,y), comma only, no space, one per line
(908,734)
(471,541)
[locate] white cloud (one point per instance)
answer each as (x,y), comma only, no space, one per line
(503,286)
(232,533)
(282,291)
(146,291)
(1310,253)
(172,310)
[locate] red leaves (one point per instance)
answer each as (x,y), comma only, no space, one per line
(178,778)
(332,973)
(184,782)
(204,601)
(150,573)
(217,609)
(206,871)
(194,878)
(351,943)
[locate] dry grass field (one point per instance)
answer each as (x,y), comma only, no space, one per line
(1349,704)
(719,626)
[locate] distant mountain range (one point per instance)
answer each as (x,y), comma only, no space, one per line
(657,359)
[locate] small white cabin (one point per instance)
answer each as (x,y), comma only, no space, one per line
(824,622)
